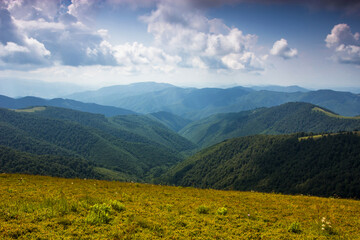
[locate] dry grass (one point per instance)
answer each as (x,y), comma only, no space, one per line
(30,110)
(37,207)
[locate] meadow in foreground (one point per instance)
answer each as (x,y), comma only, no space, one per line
(38,207)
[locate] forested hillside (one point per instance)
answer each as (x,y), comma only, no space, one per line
(170,120)
(13,161)
(322,166)
(107,143)
(286,118)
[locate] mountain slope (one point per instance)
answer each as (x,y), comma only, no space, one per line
(64,132)
(25,102)
(276,163)
(132,128)
(170,120)
(13,161)
(286,118)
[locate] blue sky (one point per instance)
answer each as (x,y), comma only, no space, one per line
(200,43)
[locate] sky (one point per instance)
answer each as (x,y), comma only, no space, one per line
(194,43)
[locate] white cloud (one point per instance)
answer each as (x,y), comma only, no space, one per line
(246,61)
(197,62)
(282,49)
(11,48)
(345,44)
(138,54)
(182,30)
(61,34)
(31,52)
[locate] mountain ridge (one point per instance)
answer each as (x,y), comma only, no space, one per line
(286,118)
(29,101)
(197,103)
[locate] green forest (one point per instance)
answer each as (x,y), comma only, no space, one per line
(322,166)
(143,148)
(105,142)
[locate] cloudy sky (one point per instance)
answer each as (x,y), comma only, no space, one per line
(200,43)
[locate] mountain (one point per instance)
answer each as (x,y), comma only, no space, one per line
(275,88)
(170,120)
(133,149)
(195,104)
(323,165)
(286,118)
(25,102)
(13,161)
(112,94)
(14,87)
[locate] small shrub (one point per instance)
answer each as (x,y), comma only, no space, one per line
(326,227)
(117,206)
(203,209)
(222,211)
(295,227)
(99,213)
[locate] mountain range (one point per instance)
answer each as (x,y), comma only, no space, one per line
(195,104)
(25,102)
(189,137)
(286,118)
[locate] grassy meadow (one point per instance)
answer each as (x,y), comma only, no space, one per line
(39,207)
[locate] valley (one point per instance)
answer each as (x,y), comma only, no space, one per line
(246,150)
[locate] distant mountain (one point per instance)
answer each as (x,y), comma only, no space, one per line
(322,166)
(112,94)
(16,88)
(131,147)
(275,88)
(170,120)
(25,102)
(195,104)
(286,118)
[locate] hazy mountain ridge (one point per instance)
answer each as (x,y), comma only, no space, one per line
(194,104)
(286,118)
(12,103)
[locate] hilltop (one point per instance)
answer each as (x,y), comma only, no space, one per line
(26,102)
(283,119)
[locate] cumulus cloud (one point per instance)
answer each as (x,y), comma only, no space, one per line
(50,32)
(61,33)
(180,29)
(282,49)
(245,61)
(345,44)
(17,48)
